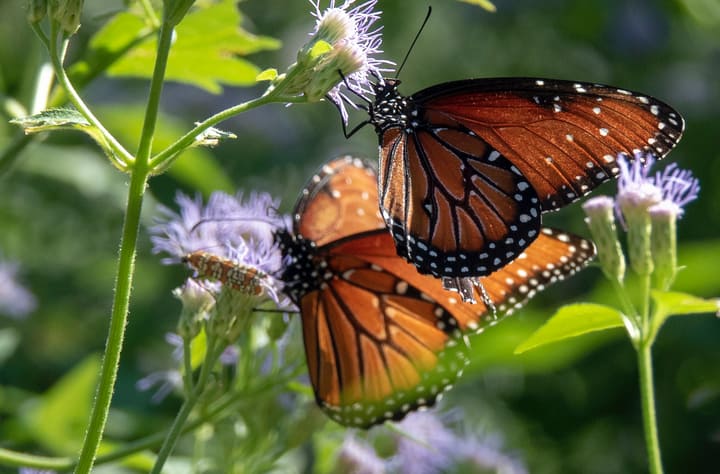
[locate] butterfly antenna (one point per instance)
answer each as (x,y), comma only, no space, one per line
(412,45)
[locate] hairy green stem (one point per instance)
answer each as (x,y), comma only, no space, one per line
(118,320)
(128,245)
(647,398)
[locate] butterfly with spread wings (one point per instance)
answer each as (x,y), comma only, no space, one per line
(468,167)
(382,339)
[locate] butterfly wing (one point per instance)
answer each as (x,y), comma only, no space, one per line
(380,338)
(467,167)
(564,136)
(454,205)
(339,200)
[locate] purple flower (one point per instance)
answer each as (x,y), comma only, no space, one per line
(230,227)
(359,458)
(349,31)
(430,447)
(166,382)
(638,189)
(15,300)
(678,187)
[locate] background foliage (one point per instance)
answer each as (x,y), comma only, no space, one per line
(570,408)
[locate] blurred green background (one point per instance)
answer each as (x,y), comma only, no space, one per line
(571,408)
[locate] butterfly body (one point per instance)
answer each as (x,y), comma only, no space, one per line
(467,167)
(382,339)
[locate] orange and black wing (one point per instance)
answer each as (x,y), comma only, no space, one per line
(339,200)
(381,339)
(467,167)
(454,205)
(564,136)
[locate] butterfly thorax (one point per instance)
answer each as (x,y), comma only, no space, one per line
(304,271)
(390,108)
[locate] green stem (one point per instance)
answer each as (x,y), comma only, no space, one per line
(647,397)
(16,459)
(128,245)
(150,12)
(118,320)
(645,284)
(64,80)
(176,429)
(163,159)
(215,410)
(631,319)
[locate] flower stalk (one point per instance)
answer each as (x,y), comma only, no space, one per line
(126,264)
(649,207)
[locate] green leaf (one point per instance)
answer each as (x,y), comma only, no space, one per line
(669,303)
(198,350)
(116,38)
(205,51)
(65,119)
(571,321)
(267,75)
(58,418)
(494,347)
(486,4)
(52,119)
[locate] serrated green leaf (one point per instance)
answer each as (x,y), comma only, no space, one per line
(485,4)
(52,119)
(205,52)
(670,303)
(58,418)
(571,321)
(67,119)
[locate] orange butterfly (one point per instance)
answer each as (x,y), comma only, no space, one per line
(381,339)
(468,167)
